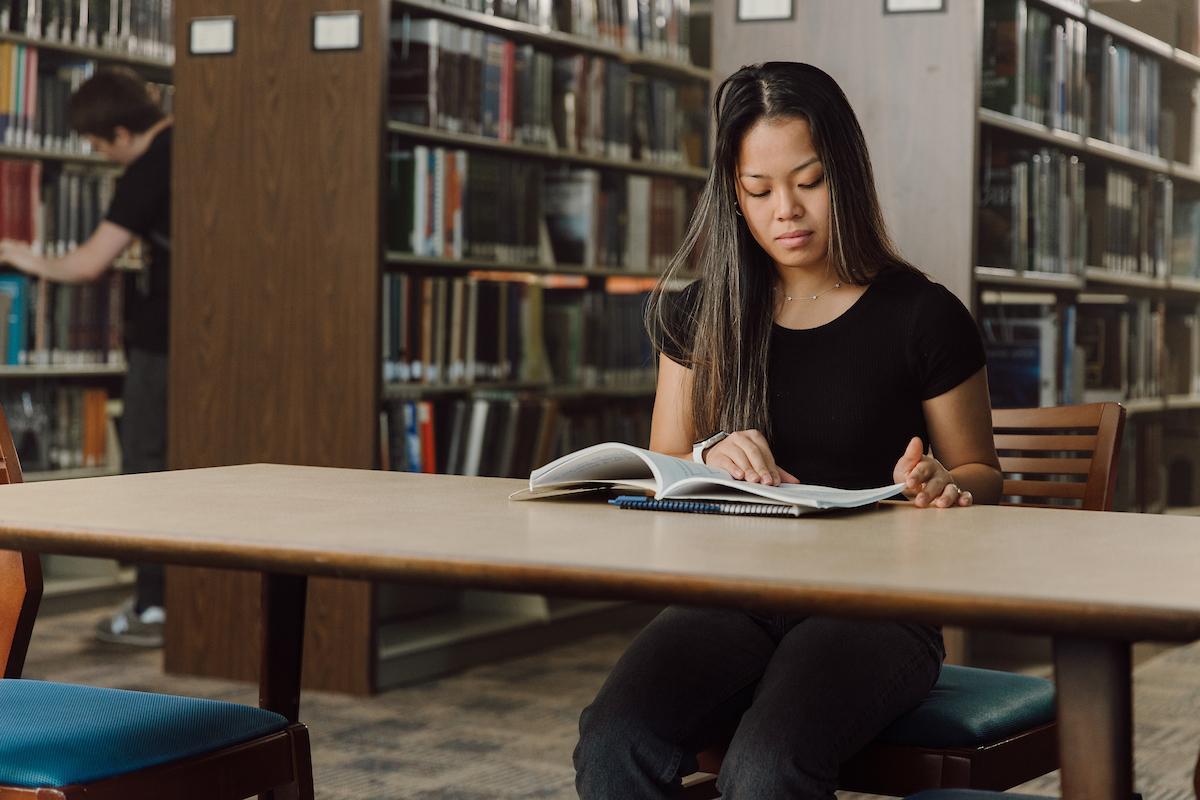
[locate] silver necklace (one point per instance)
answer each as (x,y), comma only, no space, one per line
(788,298)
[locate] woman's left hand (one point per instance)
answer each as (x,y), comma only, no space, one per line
(926,481)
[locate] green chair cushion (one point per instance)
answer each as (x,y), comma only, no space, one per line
(971,707)
(54,734)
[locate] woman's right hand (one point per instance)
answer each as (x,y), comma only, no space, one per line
(746,456)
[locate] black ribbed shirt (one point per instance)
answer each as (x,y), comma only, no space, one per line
(845,397)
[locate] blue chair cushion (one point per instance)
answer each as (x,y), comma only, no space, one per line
(971,707)
(54,734)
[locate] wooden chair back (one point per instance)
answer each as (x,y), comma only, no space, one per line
(20,576)
(1060,453)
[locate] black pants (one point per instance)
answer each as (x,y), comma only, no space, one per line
(144,444)
(802,695)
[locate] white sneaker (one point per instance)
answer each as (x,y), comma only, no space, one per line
(126,626)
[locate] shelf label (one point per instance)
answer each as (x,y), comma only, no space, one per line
(337,30)
(912,6)
(212,36)
(760,10)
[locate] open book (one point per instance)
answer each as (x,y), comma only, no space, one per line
(623,466)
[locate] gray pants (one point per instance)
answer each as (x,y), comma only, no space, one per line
(800,694)
(144,444)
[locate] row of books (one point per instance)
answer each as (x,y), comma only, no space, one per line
(42,322)
(54,210)
(137,27)
(479,329)
(33,100)
(658,28)
(1062,74)
(467,204)
(1111,347)
(502,434)
(1126,94)
(1032,209)
(59,427)
(1033,66)
(1138,231)
(464,80)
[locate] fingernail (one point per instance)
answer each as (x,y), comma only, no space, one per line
(922,498)
(737,473)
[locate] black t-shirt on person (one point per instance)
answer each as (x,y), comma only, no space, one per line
(141,205)
(845,397)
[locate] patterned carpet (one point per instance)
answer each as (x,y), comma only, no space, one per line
(506,730)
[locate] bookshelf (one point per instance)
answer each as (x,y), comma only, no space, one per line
(290,278)
(62,362)
(953,112)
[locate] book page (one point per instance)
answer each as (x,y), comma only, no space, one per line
(618,463)
(797,494)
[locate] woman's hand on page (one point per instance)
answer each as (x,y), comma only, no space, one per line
(746,456)
(926,481)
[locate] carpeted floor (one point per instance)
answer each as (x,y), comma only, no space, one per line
(506,730)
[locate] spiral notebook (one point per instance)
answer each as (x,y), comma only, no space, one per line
(641,503)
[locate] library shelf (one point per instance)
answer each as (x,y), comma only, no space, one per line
(1185,172)
(421,648)
(1144,405)
(556,40)
(157,67)
(1185,286)
(404,262)
(69,474)
(1029,279)
(1087,145)
(1126,280)
(471,141)
(409,391)
(1131,35)
(45,154)
(1183,402)
(1065,7)
(61,370)
(1189,61)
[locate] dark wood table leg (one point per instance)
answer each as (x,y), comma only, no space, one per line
(283,603)
(1095,718)
(283,599)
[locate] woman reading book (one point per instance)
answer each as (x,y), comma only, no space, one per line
(808,351)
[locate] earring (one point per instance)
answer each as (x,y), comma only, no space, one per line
(737,210)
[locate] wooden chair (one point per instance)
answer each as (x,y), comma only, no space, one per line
(65,742)
(984,729)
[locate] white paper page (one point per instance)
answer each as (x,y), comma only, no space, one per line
(788,493)
(617,462)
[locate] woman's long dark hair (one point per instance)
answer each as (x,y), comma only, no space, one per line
(731,321)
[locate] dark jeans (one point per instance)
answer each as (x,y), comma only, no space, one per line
(144,444)
(804,694)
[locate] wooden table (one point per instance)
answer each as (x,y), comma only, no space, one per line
(1096,582)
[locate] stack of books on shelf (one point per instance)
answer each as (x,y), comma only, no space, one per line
(1034,66)
(503,434)
(1031,208)
(1137,233)
(456,204)
(657,28)
(70,324)
(487,328)
(465,80)
(137,27)
(58,427)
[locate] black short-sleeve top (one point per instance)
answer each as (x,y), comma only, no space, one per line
(845,397)
(141,205)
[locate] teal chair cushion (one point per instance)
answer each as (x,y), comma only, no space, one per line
(971,707)
(54,734)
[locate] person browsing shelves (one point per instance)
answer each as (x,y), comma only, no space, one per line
(118,114)
(807,351)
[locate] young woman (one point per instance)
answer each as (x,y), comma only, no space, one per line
(808,351)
